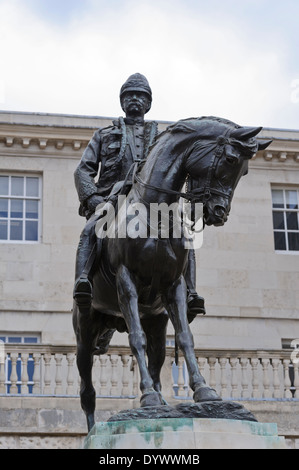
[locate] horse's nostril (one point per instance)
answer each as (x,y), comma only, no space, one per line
(219,211)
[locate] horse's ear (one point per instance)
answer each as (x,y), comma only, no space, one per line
(244,133)
(263,144)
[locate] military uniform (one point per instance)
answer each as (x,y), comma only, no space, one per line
(115,148)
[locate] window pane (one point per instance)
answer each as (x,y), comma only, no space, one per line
(4,208)
(4,185)
(31,209)
(32,187)
(30,340)
(14,339)
(31,231)
(279,241)
(277,198)
(16,230)
(16,209)
(293,241)
(292,199)
(17,186)
(278,220)
(292,220)
(3,230)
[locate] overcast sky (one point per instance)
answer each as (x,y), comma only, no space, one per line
(229,58)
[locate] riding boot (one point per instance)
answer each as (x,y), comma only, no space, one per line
(195,303)
(84,260)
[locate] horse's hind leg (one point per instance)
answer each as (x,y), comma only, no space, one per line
(177,309)
(128,302)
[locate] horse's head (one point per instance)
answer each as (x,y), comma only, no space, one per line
(215,162)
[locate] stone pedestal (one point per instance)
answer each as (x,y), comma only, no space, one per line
(184,433)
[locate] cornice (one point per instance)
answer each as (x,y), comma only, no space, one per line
(16,138)
(67,136)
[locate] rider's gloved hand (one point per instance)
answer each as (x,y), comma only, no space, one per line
(94,201)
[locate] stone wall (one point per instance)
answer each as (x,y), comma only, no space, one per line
(59,423)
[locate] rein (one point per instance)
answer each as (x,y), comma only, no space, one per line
(197,193)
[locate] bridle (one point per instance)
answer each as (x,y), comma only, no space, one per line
(197,194)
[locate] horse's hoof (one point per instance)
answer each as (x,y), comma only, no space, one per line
(90,422)
(205,393)
(151,398)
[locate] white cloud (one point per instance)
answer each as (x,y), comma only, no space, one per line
(195,66)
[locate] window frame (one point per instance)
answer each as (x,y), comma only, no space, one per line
(22,198)
(284,210)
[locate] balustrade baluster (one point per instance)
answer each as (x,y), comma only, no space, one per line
(266,380)
(181,381)
(255,378)
(70,389)
(167,380)
(201,364)
(125,358)
(114,374)
(223,378)
(296,379)
(245,393)
(287,380)
(58,377)
(212,364)
(2,368)
(47,374)
(276,381)
(2,373)
(234,361)
(103,375)
(24,373)
(14,376)
(36,377)
(135,377)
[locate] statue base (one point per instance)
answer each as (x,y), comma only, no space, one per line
(186,426)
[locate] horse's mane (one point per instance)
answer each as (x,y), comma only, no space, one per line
(180,125)
(185,126)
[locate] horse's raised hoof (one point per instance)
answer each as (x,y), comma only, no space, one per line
(205,393)
(151,398)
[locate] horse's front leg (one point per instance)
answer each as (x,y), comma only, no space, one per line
(176,305)
(128,302)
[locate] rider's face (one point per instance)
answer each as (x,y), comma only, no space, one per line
(135,103)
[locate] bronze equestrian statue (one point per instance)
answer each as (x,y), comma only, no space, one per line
(136,284)
(115,149)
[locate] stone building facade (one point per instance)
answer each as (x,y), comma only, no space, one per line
(248,270)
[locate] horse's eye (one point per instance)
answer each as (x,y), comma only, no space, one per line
(232,160)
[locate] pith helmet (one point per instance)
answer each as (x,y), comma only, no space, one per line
(136,82)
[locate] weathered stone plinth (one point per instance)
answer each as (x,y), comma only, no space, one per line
(209,425)
(184,433)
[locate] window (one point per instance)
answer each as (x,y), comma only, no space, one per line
(18,339)
(19,208)
(285,211)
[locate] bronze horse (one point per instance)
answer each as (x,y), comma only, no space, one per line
(138,282)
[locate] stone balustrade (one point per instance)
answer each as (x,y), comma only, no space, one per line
(43,370)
